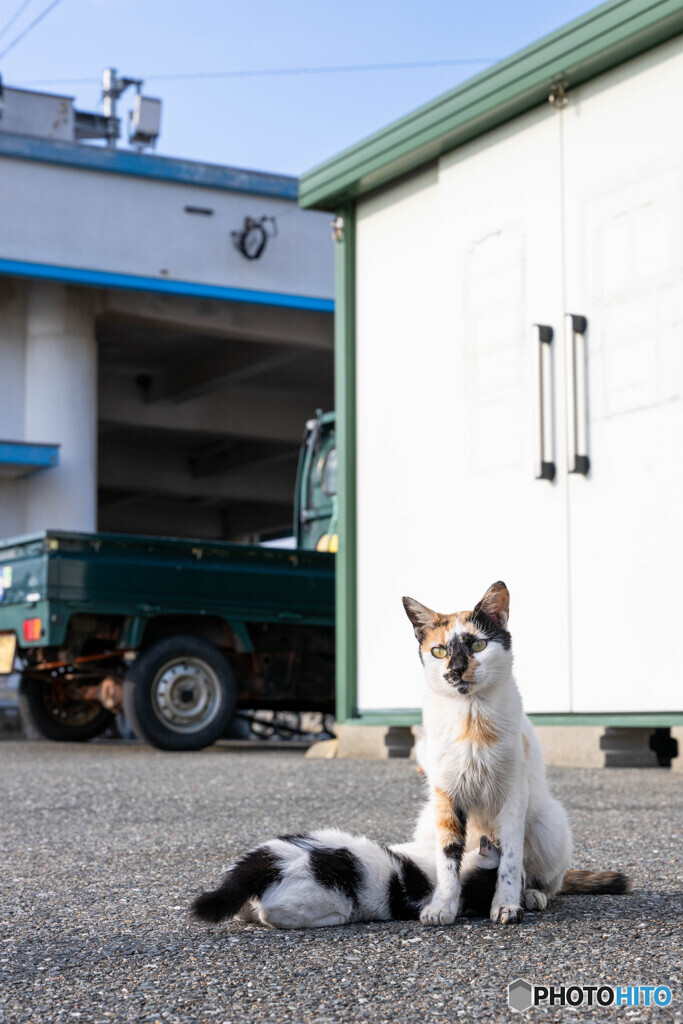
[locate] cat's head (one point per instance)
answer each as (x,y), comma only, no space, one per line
(489,854)
(466,652)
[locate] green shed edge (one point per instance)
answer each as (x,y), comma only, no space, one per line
(603,38)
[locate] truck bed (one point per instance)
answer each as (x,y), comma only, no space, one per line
(51,575)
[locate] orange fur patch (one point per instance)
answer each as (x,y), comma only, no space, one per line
(444,627)
(463,620)
(525,743)
(468,674)
(478,729)
(438,633)
(447,825)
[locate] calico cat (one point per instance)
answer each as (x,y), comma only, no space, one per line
(329,877)
(485,768)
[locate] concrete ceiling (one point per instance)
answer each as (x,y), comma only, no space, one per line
(202,407)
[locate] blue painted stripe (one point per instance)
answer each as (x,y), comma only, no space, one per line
(146,165)
(104,279)
(37,456)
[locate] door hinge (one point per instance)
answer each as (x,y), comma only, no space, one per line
(338,229)
(558,94)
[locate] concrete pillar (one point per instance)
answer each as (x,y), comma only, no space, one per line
(61,406)
(12,327)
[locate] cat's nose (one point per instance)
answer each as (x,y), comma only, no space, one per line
(457,664)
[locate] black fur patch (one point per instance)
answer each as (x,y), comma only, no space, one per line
(458,656)
(454,851)
(477,890)
(338,869)
(301,839)
(490,629)
(400,907)
(247,879)
(415,886)
(409,890)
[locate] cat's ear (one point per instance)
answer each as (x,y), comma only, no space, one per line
(496,604)
(422,617)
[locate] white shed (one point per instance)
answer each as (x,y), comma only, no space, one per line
(510,372)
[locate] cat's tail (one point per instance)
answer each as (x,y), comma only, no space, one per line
(246,880)
(596,883)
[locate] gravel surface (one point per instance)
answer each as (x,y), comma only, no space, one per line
(104,845)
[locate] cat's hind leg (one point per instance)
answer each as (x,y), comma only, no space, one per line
(248,913)
(534,899)
(547,854)
(306,905)
(285,917)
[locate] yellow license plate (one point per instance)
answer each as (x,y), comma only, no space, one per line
(8,646)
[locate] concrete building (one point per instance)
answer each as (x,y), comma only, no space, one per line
(165,332)
(510,381)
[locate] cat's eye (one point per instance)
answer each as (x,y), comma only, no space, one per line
(479,645)
(440,651)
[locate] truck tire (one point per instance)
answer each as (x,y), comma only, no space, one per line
(179,694)
(56,718)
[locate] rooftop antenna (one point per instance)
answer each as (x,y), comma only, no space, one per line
(145,119)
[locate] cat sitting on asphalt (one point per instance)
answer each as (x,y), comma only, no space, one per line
(485,773)
(485,769)
(329,877)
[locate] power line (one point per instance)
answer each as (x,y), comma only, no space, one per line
(333,69)
(21,8)
(29,28)
(270,72)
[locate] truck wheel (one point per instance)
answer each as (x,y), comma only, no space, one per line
(179,694)
(56,715)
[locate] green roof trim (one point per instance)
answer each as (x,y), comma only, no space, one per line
(603,38)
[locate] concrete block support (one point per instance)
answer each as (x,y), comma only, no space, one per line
(399,741)
(628,748)
(61,406)
(571,746)
(367,743)
(361,742)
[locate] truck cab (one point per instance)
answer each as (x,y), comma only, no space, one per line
(315,512)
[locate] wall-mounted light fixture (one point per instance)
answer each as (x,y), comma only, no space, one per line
(252,239)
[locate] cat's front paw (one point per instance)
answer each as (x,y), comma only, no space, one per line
(439,913)
(506,915)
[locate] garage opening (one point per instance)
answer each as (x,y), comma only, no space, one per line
(202,408)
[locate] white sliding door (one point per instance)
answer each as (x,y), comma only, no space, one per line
(454,269)
(624,229)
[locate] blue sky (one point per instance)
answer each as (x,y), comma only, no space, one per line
(286,124)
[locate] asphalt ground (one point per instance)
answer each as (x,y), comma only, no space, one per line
(104,845)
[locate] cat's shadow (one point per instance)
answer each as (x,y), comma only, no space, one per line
(634,908)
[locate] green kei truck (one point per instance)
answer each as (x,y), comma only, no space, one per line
(176,634)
